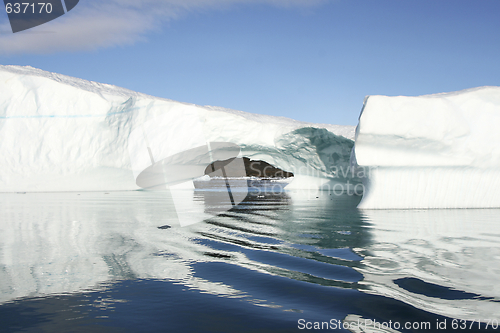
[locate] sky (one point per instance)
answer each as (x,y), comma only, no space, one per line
(310,60)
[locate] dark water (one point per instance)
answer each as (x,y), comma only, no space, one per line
(279,262)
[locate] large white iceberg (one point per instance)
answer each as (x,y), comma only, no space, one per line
(59,133)
(433,151)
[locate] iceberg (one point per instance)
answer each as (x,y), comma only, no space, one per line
(431,151)
(59,133)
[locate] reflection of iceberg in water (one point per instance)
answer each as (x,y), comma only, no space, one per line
(55,243)
(66,242)
(443,261)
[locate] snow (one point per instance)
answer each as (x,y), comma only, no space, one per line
(432,151)
(59,133)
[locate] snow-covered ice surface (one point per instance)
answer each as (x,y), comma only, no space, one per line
(432,151)
(59,133)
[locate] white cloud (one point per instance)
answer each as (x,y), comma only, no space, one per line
(96,24)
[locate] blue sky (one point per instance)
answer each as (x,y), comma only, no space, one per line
(310,60)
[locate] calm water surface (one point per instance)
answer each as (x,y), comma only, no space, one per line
(279,262)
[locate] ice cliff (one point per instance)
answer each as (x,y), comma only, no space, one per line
(433,151)
(59,133)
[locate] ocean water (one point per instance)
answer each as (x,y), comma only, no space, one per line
(279,262)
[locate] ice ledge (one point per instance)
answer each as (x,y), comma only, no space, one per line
(433,151)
